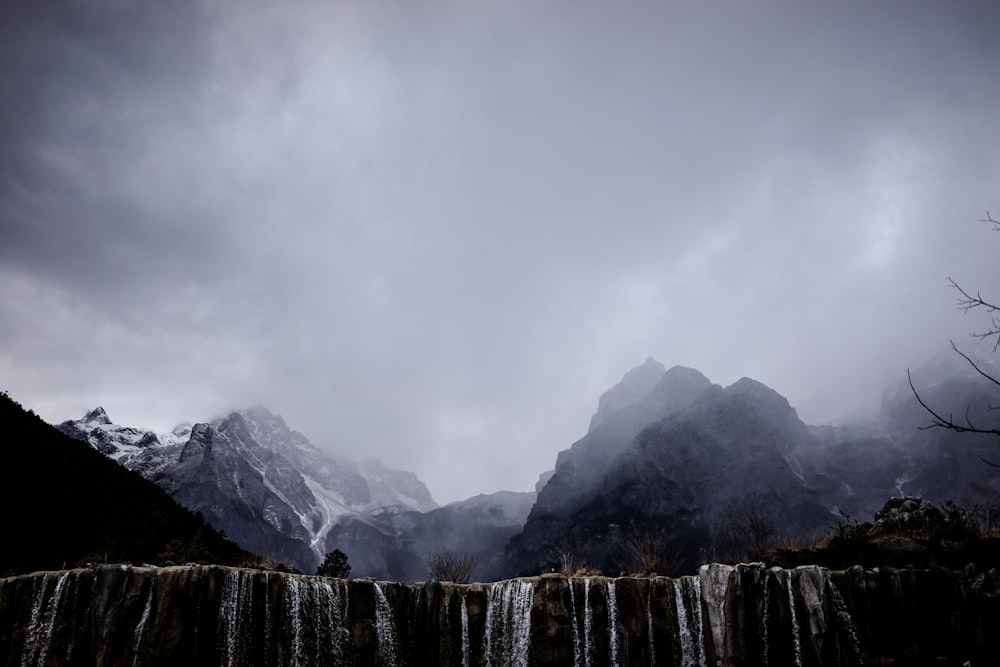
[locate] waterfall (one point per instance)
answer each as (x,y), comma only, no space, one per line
(613,623)
(293,604)
(507,641)
(687,593)
(766,622)
(330,613)
(140,629)
(649,625)
(465,632)
(699,625)
(683,631)
(846,623)
(384,629)
(575,633)
(122,616)
(267,618)
(234,613)
(44,611)
(795,620)
(588,625)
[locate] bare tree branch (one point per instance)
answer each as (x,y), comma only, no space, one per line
(448,565)
(973,364)
(949,423)
(990,220)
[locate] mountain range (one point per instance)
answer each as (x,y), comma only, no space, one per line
(252,477)
(670,459)
(63,504)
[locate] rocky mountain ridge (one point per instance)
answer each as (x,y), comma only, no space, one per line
(696,468)
(265,485)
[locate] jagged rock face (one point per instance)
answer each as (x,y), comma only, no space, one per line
(689,457)
(579,469)
(636,384)
(252,477)
(679,477)
(273,434)
(215,477)
(725,616)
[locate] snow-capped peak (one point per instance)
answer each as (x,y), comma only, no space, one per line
(96,416)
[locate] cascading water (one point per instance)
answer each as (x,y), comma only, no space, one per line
(699,626)
(612,596)
(846,625)
(588,625)
(44,612)
(119,616)
(796,642)
(384,628)
(465,632)
(766,622)
(140,628)
(234,613)
(329,604)
(574,632)
(267,619)
(507,641)
(687,595)
(649,625)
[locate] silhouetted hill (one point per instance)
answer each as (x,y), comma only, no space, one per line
(62,503)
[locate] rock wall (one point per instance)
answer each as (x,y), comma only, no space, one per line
(725,616)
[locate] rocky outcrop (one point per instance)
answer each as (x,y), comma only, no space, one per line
(713,470)
(723,617)
(635,386)
(713,456)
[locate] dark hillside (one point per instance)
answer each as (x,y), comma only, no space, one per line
(62,503)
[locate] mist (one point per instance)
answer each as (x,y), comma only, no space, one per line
(434,233)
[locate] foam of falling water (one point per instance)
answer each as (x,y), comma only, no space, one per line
(293,603)
(330,618)
(465,632)
(588,625)
(507,641)
(846,623)
(649,625)
(572,622)
(699,626)
(44,611)
(233,612)
(795,621)
(688,654)
(384,629)
(613,623)
(140,629)
(767,621)
(267,618)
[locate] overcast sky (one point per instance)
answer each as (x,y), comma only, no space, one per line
(435,232)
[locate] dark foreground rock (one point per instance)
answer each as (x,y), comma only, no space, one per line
(731,616)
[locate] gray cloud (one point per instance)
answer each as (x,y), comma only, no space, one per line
(436,233)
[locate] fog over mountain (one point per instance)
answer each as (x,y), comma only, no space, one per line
(432,233)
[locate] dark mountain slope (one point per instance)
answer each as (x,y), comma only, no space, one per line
(62,502)
(679,480)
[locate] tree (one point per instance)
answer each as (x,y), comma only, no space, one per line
(649,554)
(448,565)
(335,565)
(968,302)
